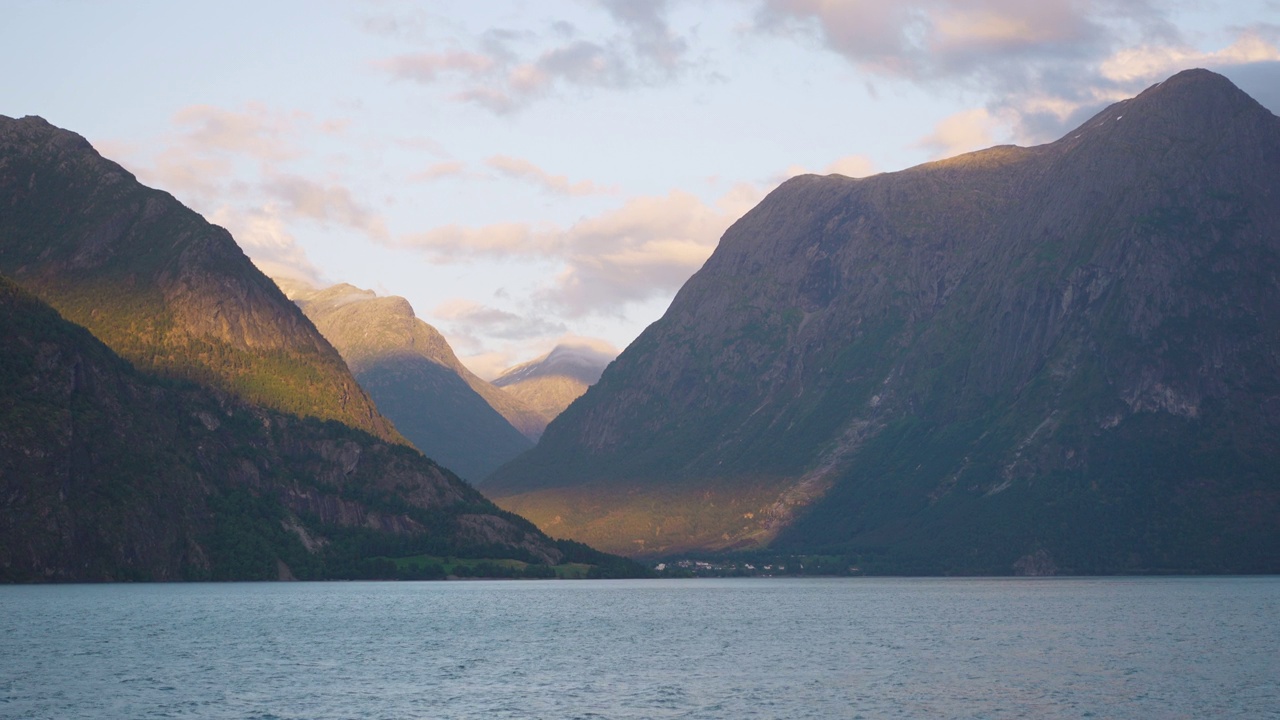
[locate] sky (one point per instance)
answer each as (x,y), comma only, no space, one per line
(529,172)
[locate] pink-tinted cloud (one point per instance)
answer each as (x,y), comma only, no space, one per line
(1042,65)
(521,169)
(643,249)
(961,133)
(451,168)
(264,236)
(303,197)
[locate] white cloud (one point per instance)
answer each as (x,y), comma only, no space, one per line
(521,169)
(961,133)
(306,198)
(253,132)
(455,243)
(647,247)
(854,166)
(1152,62)
(451,168)
(264,236)
(231,165)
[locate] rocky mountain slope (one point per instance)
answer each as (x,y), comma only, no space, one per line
(550,383)
(1063,358)
(157,283)
(107,473)
(409,370)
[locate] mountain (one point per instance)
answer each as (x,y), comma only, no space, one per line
(192,423)
(107,473)
(409,370)
(1060,358)
(162,287)
(550,383)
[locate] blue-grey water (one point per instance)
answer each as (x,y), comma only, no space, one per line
(811,648)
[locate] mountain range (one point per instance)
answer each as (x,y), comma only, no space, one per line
(167,413)
(1051,359)
(417,381)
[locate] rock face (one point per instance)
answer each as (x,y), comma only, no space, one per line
(162,287)
(409,370)
(107,473)
(1062,358)
(550,383)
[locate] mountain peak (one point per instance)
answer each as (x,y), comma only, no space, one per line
(929,367)
(578,361)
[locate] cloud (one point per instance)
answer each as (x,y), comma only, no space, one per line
(521,169)
(504,71)
(648,247)
(428,67)
(1144,63)
(494,322)
(651,36)
(854,166)
(439,170)
(264,236)
(1047,114)
(305,198)
(961,133)
(1043,66)
(455,243)
(231,166)
(253,132)
(932,39)
(501,356)
(489,339)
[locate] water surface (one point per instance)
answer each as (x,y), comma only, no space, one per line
(759,648)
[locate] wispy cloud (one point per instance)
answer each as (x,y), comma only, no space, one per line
(521,169)
(303,197)
(234,167)
(854,166)
(458,243)
(504,71)
(643,249)
(961,133)
(494,322)
(437,171)
(263,234)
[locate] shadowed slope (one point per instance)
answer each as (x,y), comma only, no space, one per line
(107,473)
(1060,358)
(411,372)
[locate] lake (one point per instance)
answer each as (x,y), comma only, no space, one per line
(751,648)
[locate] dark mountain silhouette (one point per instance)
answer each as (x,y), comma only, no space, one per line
(1059,358)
